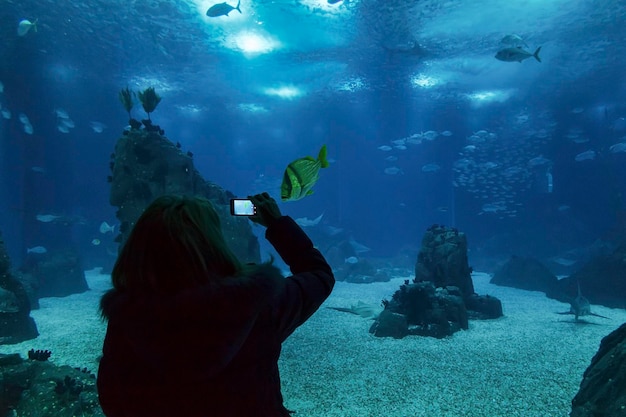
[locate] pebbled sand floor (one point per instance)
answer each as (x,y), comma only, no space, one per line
(528,363)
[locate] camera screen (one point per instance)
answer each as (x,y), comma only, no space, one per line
(242,207)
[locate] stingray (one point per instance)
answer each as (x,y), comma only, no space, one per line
(365,310)
(580,306)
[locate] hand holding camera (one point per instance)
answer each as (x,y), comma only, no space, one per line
(260,208)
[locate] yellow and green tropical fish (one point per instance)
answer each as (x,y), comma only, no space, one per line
(301,175)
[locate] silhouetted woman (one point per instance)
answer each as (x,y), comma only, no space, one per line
(191,330)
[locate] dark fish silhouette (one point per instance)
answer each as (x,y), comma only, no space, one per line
(580,306)
(517,54)
(222,9)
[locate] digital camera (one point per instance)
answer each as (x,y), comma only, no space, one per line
(242,207)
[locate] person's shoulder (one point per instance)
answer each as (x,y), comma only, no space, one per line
(265,270)
(265,275)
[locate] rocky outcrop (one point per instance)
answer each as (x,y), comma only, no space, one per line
(442,260)
(16,325)
(526,274)
(54,274)
(603,388)
(441,299)
(601,281)
(146,165)
(40,388)
(424,310)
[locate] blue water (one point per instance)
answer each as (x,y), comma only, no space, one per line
(362,74)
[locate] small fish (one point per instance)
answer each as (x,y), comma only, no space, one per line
(585,156)
(301,175)
(393,171)
(37,249)
(385,148)
(61,113)
(430,135)
(351,260)
(47,218)
(222,9)
(333,1)
(28,129)
(40,170)
(67,122)
(97,126)
(431,168)
(564,261)
(25,25)
(306,222)
(95,242)
(516,54)
(106,228)
(513,40)
(63,129)
(539,161)
(6,114)
(1,87)
(493,207)
(618,147)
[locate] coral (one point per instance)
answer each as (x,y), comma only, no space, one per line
(149,100)
(68,387)
(86,371)
(39,355)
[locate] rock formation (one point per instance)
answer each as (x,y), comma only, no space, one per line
(526,274)
(16,325)
(441,299)
(30,387)
(603,388)
(601,281)
(53,274)
(146,165)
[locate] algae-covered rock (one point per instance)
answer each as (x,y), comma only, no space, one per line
(442,259)
(146,165)
(41,388)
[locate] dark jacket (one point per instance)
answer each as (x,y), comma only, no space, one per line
(212,351)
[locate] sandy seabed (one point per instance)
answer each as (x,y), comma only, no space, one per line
(528,363)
